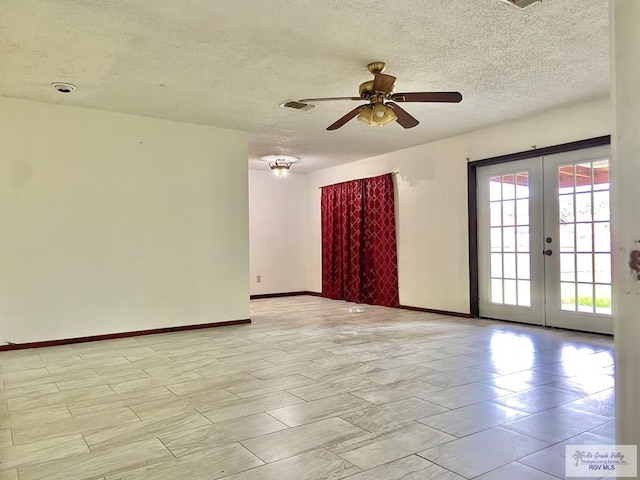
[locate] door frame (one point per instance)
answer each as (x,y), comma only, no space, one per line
(472,201)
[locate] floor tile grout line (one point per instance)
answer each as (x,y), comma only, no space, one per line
(538,470)
(254,453)
(381,465)
(515,461)
(85,441)
(165,446)
(297,396)
(133,411)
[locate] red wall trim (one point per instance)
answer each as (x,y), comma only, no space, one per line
(110,336)
(440,312)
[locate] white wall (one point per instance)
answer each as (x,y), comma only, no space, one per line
(115,223)
(277,232)
(432,199)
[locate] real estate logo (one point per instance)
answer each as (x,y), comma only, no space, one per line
(608,461)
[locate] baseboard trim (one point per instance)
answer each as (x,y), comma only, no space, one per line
(402,307)
(439,312)
(138,333)
(284,294)
(111,336)
(276,295)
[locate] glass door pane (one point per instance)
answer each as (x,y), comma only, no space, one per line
(586,275)
(510,258)
(578,227)
(509,211)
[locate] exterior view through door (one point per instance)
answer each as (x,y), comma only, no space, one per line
(544,240)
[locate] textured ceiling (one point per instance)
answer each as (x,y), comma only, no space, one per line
(231,63)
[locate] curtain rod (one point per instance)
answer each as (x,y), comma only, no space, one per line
(394,172)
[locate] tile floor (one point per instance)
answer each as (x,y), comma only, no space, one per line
(310,390)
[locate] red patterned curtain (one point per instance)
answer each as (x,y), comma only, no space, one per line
(359,256)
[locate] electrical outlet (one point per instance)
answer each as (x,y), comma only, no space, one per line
(258,278)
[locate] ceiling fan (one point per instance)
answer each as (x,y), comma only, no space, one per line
(381,95)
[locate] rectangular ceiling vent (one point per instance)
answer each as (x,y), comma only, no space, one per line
(297,105)
(521,3)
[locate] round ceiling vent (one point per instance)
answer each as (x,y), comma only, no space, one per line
(64,87)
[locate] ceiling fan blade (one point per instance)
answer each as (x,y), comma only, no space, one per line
(450,97)
(404,118)
(383,83)
(341,121)
(327,99)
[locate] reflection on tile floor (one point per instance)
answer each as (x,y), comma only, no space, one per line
(309,390)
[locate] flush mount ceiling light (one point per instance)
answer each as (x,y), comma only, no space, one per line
(64,87)
(280,164)
(280,167)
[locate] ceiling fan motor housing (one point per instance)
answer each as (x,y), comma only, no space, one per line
(366,89)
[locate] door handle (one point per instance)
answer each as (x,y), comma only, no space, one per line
(548,253)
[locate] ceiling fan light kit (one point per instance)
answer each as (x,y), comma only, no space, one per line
(377,115)
(381,95)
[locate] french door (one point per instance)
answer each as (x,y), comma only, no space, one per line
(544,241)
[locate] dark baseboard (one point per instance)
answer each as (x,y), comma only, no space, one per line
(439,312)
(137,333)
(403,307)
(276,295)
(111,336)
(284,294)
